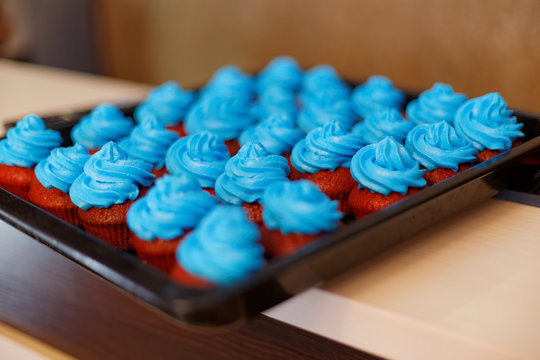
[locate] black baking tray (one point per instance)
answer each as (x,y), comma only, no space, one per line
(282,278)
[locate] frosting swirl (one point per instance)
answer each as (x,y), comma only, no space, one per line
(248,173)
(376,93)
(282,71)
(277,134)
(321,108)
(203,156)
(229,81)
(323,79)
(325,148)
(223,248)
(62,167)
(28,142)
(105,123)
(299,207)
(173,205)
(385,167)
(439,103)
(487,123)
(149,141)
(225,117)
(168,102)
(109,178)
(438,146)
(382,123)
(274,100)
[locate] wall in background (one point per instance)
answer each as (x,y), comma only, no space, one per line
(476,46)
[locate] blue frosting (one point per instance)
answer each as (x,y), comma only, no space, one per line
(438,146)
(174,204)
(376,93)
(382,123)
(277,134)
(320,108)
(28,142)
(229,81)
(62,167)
(274,100)
(203,156)
(149,141)
(224,248)
(248,173)
(323,79)
(110,178)
(299,207)
(223,116)
(439,103)
(325,148)
(487,123)
(168,102)
(385,167)
(282,71)
(105,123)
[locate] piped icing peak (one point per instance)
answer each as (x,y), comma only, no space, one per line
(323,79)
(149,141)
(438,146)
(109,178)
(168,102)
(325,148)
(439,103)
(276,133)
(299,207)
(382,123)
(487,123)
(175,203)
(320,108)
(203,156)
(274,100)
(28,142)
(248,173)
(282,71)
(385,167)
(224,248)
(105,123)
(229,81)
(224,116)
(376,93)
(62,167)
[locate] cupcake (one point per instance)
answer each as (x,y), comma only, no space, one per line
(323,79)
(105,123)
(295,213)
(438,148)
(149,141)
(385,173)
(439,103)
(320,108)
(382,123)
(246,176)
(230,82)
(488,124)
(105,190)
(24,146)
(159,220)
(283,72)
(169,103)
(53,177)
(276,133)
(223,249)
(376,93)
(274,100)
(202,156)
(223,116)
(324,157)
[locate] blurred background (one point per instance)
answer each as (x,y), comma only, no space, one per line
(477,46)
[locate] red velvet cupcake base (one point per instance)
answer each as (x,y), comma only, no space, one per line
(179,129)
(16,179)
(276,244)
(487,154)
(158,253)
(181,276)
(108,224)
(54,201)
(233,146)
(438,175)
(363,202)
(254,212)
